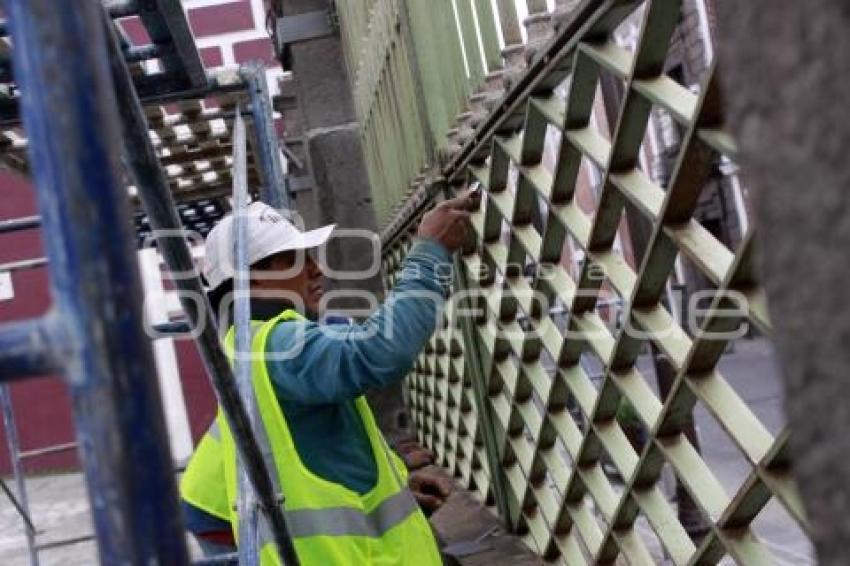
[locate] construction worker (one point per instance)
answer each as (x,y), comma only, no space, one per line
(345,492)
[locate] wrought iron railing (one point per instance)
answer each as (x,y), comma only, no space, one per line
(501,394)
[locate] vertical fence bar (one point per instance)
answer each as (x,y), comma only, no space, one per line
(474,358)
(469,37)
(435,91)
(416,86)
(486,420)
(17,469)
(154,192)
(60,62)
(273,189)
(247,502)
(489,34)
(450,41)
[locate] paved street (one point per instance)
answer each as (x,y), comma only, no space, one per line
(752,372)
(60,509)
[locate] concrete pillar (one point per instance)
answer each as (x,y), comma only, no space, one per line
(341,191)
(784,64)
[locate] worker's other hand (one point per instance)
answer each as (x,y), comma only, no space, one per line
(448,223)
(415,455)
(430,488)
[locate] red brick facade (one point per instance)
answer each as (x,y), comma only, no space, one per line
(219,19)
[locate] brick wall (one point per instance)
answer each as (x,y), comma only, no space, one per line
(227,33)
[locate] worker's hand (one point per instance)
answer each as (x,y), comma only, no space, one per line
(415,455)
(448,223)
(430,488)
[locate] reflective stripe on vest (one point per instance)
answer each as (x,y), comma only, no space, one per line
(337,521)
(347,521)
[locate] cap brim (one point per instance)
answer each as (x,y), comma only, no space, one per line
(304,241)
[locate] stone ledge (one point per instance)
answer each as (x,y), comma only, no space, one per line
(472,536)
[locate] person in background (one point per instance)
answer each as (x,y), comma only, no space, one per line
(347,496)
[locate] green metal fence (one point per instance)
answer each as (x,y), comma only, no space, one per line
(397,51)
(501,392)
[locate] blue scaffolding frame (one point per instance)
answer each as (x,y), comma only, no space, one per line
(82,111)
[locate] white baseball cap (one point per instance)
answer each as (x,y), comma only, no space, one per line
(269,233)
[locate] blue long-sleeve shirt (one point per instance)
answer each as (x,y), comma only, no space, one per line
(331,366)
(319,370)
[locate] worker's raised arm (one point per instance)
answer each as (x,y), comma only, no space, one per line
(339,362)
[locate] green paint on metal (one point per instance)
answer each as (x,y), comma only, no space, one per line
(469,35)
(489,34)
(502,397)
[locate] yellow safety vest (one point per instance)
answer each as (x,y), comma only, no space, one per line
(329,523)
